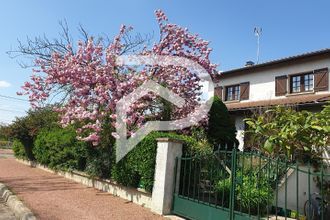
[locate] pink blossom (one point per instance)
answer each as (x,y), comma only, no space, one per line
(96,83)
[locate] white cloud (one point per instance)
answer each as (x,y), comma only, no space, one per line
(4,84)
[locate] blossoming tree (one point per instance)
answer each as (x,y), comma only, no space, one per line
(91,82)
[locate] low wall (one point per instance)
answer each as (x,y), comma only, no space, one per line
(136,196)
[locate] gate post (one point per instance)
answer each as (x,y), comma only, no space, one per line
(162,194)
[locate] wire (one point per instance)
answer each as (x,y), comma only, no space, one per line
(14,98)
(12,111)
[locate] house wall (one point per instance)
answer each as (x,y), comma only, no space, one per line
(262,82)
(292,187)
(262,85)
(240,127)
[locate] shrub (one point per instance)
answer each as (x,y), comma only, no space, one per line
(100,159)
(299,135)
(251,192)
(19,150)
(26,129)
(221,129)
(137,168)
(59,149)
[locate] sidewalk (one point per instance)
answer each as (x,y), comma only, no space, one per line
(55,198)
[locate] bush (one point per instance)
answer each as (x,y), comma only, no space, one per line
(26,129)
(19,150)
(99,161)
(298,135)
(221,129)
(59,149)
(137,168)
(251,192)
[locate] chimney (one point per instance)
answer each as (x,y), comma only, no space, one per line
(249,63)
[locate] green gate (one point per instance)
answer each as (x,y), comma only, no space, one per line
(246,185)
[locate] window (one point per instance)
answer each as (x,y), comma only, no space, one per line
(308,81)
(232,93)
(296,84)
(302,83)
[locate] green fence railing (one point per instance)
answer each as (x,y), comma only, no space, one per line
(248,185)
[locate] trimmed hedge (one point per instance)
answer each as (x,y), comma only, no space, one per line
(137,168)
(58,149)
(19,150)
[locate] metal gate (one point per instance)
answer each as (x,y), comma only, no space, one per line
(246,185)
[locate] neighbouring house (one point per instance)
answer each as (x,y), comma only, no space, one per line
(301,81)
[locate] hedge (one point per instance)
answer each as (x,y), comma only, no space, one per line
(58,149)
(138,167)
(19,150)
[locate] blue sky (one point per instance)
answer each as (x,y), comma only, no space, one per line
(289,28)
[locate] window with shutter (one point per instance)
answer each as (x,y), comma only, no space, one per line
(245,90)
(321,80)
(301,82)
(218,92)
(232,93)
(281,85)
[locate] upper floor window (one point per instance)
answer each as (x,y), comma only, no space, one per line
(308,82)
(232,93)
(302,83)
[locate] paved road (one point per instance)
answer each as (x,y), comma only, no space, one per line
(6,153)
(52,197)
(5,212)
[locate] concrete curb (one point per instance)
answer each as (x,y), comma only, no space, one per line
(13,202)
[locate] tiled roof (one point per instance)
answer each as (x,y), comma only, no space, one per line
(325,51)
(290,100)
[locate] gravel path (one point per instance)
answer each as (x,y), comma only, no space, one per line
(5,212)
(55,198)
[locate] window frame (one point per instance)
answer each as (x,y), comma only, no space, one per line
(301,85)
(235,92)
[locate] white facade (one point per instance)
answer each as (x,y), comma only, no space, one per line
(262,84)
(239,124)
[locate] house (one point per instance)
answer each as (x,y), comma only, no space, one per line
(301,81)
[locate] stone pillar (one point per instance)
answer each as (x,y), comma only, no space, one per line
(162,193)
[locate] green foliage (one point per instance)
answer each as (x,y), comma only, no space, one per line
(58,149)
(221,128)
(25,129)
(18,149)
(251,192)
(137,168)
(301,135)
(4,133)
(47,143)
(100,159)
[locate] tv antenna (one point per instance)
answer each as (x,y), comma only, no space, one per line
(257,33)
